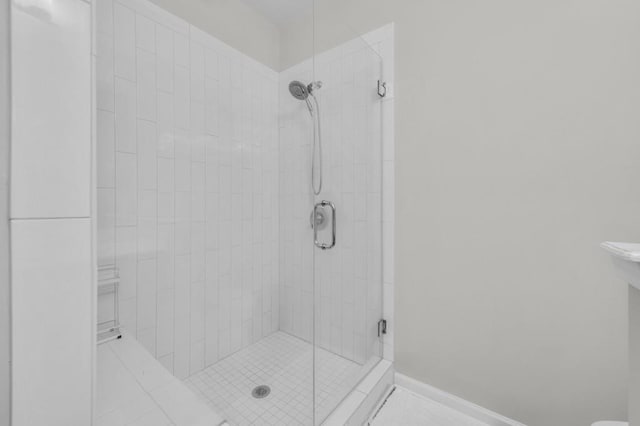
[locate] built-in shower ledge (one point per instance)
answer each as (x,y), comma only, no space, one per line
(135,389)
(356,408)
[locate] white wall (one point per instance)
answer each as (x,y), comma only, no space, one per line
(516,153)
(348,278)
(51,239)
(5,139)
(234,23)
(187,185)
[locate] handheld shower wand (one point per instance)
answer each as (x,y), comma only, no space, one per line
(301,92)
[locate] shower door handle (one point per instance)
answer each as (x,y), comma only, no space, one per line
(333,225)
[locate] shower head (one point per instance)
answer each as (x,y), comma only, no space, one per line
(299,90)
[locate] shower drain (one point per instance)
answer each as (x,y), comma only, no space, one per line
(261,391)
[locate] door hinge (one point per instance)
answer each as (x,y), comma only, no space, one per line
(382,327)
(382,88)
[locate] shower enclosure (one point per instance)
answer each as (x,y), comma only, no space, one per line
(244,224)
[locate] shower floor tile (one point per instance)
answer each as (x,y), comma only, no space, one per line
(284,363)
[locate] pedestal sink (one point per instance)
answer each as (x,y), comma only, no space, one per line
(626,258)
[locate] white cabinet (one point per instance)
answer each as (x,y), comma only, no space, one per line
(51,108)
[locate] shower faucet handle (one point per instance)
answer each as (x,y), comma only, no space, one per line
(316,210)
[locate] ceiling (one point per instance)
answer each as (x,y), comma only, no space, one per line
(282,12)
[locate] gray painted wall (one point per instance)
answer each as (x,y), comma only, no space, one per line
(234,23)
(517,152)
(5,347)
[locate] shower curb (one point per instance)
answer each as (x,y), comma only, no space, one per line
(356,408)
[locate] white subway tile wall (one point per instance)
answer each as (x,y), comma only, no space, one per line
(187,185)
(347,290)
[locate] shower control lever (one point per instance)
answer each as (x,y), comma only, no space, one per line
(316,209)
(318,218)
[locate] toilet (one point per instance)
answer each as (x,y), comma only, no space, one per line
(610,424)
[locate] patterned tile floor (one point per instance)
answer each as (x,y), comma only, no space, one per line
(284,363)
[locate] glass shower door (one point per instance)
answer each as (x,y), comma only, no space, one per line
(347,255)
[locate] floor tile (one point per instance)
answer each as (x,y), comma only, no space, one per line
(284,363)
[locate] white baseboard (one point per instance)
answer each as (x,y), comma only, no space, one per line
(452,401)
